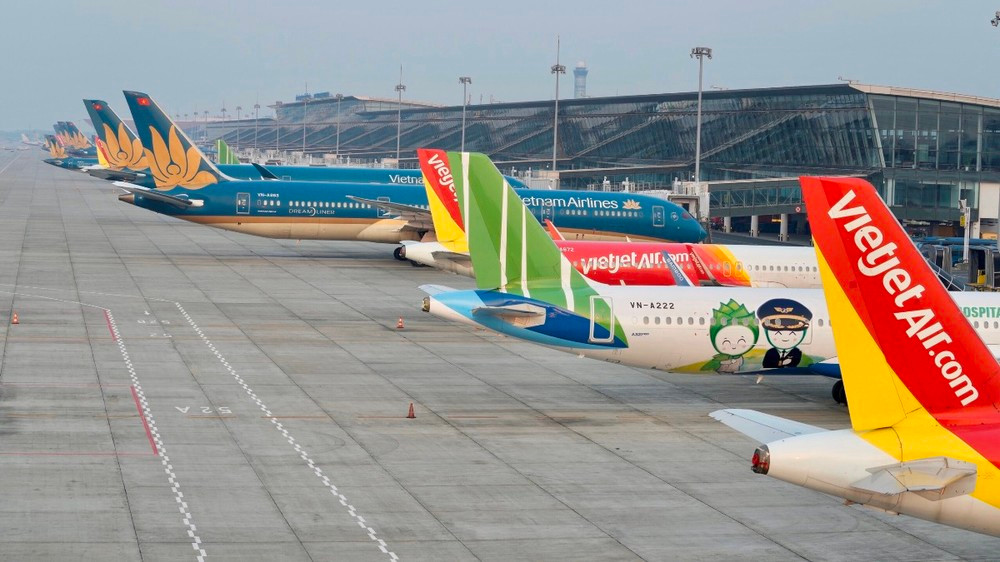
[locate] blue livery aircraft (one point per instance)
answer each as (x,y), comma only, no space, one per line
(190,187)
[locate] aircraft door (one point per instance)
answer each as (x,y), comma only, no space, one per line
(548,213)
(242,203)
(601,308)
(380,212)
(658,215)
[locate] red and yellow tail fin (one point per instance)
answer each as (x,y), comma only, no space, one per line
(903,344)
(442,200)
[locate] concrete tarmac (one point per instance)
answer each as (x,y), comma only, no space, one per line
(174,391)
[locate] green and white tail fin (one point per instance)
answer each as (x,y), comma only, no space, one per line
(510,249)
(225,155)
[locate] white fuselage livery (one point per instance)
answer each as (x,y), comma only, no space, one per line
(792,267)
(843,464)
(728,330)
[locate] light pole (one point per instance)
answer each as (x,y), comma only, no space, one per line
(400,88)
(557,69)
(238,110)
(465,80)
(256,114)
(277,129)
(204,137)
(340,98)
(699,53)
(305,107)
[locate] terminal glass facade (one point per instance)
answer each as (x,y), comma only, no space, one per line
(924,154)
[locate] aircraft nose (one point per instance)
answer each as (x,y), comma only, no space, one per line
(702,234)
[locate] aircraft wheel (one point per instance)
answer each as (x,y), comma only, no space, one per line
(839,395)
(398,254)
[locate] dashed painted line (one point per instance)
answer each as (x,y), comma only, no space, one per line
(351,510)
(175,486)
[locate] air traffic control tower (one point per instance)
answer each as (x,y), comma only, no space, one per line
(580,80)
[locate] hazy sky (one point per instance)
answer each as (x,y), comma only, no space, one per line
(192,55)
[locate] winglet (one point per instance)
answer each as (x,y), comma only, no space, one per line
(264,172)
(553,231)
(680,278)
(903,344)
(174,160)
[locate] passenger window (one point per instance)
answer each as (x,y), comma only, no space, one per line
(701,321)
(690,321)
(667,320)
(645,319)
(656,320)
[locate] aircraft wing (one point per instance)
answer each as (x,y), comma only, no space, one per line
(763,427)
(417,218)
(451,256)
(179,202)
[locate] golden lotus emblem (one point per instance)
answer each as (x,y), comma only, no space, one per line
(57,151)
(123,152)
(172,166)
(631,205)
(77,140)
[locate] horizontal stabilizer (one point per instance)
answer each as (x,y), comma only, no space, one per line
(521,315)
(553,231)
(432,289)
(114,175)
(935,478)
(763,427)
(264,172)
(179,202)
(452,256)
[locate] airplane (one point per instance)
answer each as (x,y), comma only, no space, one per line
(613,262)
(127,163)
(28,142)
(538,296)
(924,390)
(61,159)
(73,140)
(189,187)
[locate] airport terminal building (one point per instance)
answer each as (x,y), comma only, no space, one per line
(925,151)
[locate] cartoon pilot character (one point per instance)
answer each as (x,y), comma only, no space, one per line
(734,332)
(785,324)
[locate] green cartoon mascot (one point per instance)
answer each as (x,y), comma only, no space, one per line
(734,332)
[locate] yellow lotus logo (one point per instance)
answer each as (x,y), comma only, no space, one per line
(77,140)
(123,152)
(57,151)
(631,205)
(173,166)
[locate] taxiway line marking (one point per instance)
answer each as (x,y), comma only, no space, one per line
(351,509)
(107,319)
(145,424)
(143,404)
(73,454)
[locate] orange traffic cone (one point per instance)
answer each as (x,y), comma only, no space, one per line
(410,415)
(14,319)
(399,324)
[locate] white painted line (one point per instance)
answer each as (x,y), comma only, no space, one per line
(175,486)
(369,531)
(9,163)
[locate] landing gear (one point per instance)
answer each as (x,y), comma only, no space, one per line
(839,395)
(399,253)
